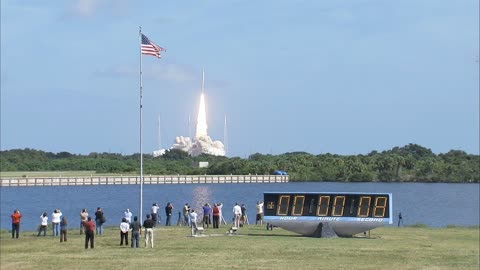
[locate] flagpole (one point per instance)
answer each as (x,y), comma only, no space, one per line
(141,132)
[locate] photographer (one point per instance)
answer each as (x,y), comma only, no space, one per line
(16,216)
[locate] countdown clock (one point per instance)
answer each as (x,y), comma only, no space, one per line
(326,214)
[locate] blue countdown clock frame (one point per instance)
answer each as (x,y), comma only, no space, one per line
(328,214)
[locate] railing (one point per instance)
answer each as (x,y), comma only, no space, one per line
(135,180)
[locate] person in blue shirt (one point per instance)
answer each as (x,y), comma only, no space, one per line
(207,212)
(136,228)
(63,229)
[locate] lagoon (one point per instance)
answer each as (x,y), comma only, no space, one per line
(432,204)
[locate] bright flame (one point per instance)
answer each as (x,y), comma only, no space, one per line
(201,120)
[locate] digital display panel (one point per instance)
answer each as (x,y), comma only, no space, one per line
(327,205)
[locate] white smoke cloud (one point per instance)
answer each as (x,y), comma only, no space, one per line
(182,143)
(205,145)
(196,147)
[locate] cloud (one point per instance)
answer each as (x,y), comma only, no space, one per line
(172,72)
(183,76)
(86,8)
(166,72)
(342,16)
(90,8)
(115,71)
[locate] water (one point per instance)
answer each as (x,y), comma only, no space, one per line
(433,204)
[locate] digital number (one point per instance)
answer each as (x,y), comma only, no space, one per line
(283,202)
(352,206)
(323,203)
(338,206)
(380,206)
(364,206)
(298,205)
(312,206)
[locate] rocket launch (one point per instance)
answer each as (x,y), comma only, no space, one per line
(201,143)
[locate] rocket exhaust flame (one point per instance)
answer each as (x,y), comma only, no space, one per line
(201,130)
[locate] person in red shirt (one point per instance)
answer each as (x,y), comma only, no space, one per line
(89,226)
(216,216)
(16,216)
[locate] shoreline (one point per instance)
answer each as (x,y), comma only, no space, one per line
(135,180)
(71,180)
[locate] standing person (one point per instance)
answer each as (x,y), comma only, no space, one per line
(43,224)
(128,215)
(259,217)
(193,221)
(216,216)
(99,220)
(243,219)
(168,213)
(148,224)
(136,232)
(124,227)
(186,216)
(220,206)
(16,216)
(89,232)
(207,211)
(63,230)
(56,218)
(155,208)
(83,219)
(400,219)
(237,214)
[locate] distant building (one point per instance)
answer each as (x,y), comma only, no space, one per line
(201,164)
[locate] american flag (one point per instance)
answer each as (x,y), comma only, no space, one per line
(150,48)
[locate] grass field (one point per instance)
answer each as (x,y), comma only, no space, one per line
(254,248)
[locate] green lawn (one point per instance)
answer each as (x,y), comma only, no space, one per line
(254,248)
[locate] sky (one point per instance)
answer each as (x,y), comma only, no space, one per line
(341,77)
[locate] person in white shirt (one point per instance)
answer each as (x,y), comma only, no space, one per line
(186,215)
(259,218)
(43,224)
(56,218)
(83,219)
(124,227)
(220,215)
(237,215)
(155,208)
(128,215)
(193,221)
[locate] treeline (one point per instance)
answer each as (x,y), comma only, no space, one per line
(410,163)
